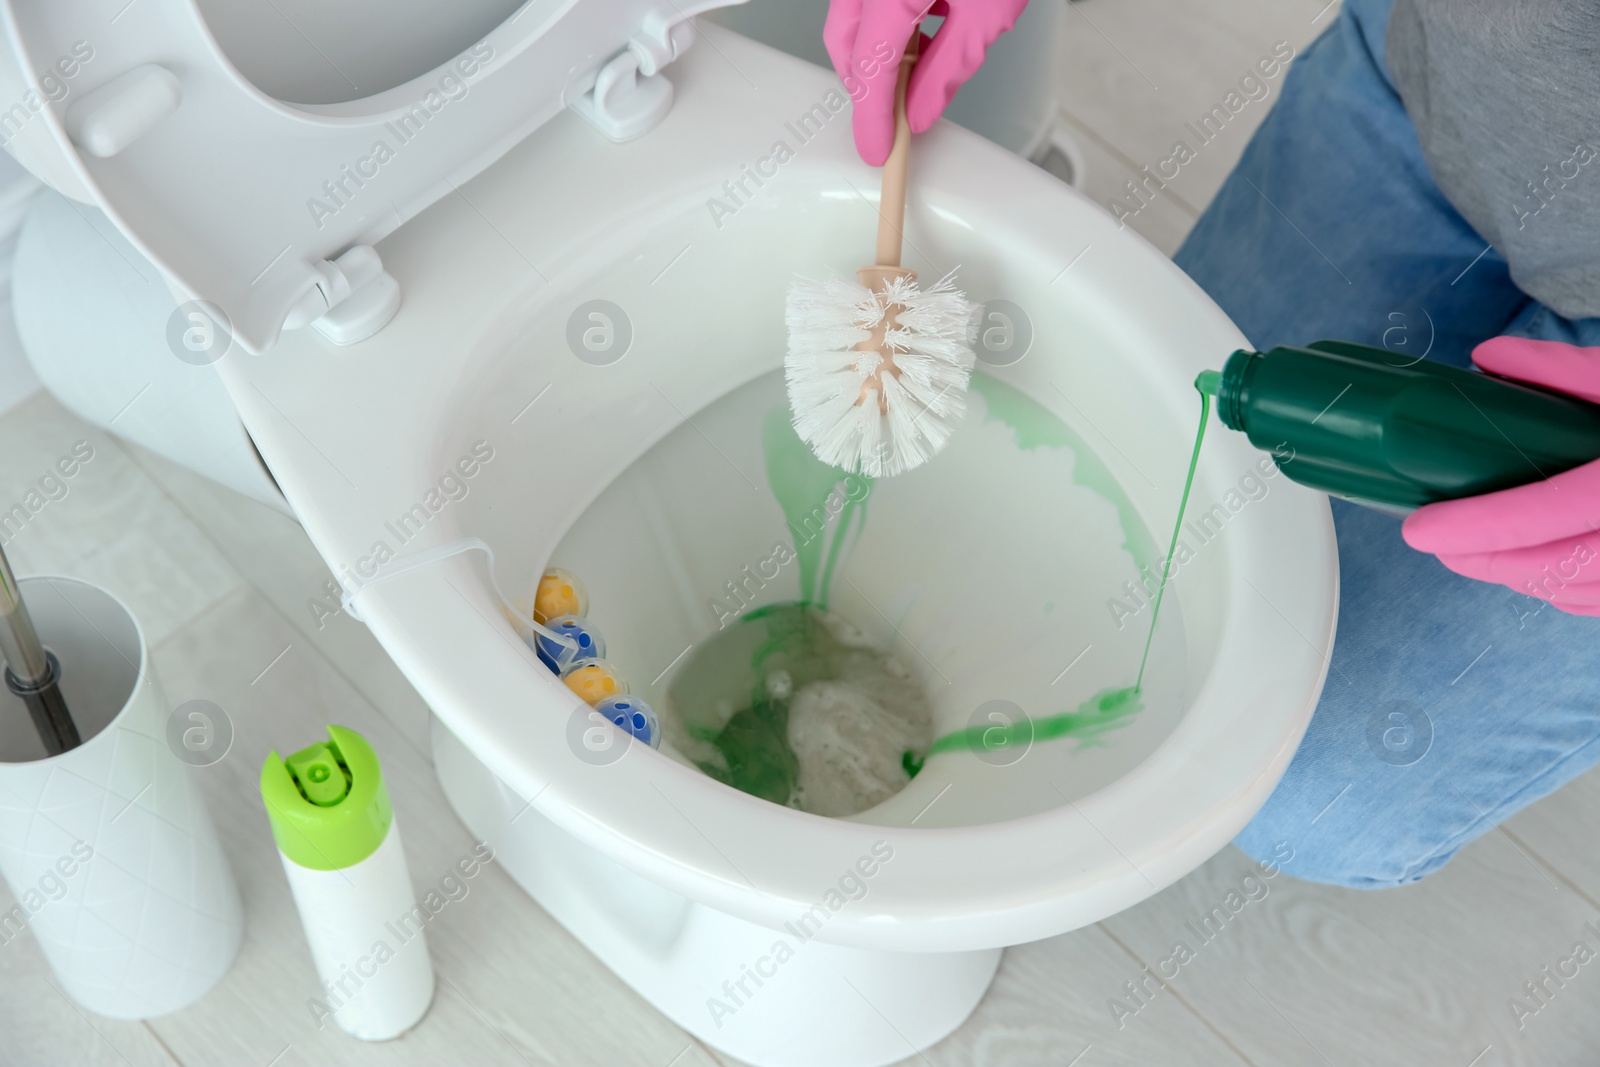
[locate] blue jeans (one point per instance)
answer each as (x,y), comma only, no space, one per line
(1450,704)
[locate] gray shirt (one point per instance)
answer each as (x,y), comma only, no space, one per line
(1505,95)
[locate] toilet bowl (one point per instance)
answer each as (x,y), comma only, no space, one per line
(579,373)
(681,884)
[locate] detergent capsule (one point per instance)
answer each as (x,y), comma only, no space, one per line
(559,592)
(633,716)
(583,633)
(594,680)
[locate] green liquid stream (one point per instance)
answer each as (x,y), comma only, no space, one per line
(1183,504)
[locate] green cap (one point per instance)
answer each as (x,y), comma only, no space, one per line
(327,803)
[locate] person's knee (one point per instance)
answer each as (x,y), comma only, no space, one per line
(1361,850)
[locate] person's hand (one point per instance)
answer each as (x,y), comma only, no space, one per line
(865,39)
(1543,538)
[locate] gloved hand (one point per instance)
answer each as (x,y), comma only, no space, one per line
(866,37)
(1542,538)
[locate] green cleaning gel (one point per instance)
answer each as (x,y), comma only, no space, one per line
(1365,424)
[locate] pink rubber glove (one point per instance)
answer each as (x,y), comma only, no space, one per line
(1543,538)
(866,37)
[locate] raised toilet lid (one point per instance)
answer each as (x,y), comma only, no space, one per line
(244,200)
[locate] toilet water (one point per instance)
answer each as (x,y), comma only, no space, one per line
(795,705)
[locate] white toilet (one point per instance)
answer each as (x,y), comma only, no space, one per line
(436,392)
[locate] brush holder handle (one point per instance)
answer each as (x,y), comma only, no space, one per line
(107,848)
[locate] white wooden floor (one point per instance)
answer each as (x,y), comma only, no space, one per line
(1307,975)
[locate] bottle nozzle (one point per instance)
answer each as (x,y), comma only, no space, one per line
(318,773)
(1208,382)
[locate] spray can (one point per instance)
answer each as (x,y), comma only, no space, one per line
(340,847)
(1370,426)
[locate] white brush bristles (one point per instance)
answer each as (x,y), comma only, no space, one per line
(930,343)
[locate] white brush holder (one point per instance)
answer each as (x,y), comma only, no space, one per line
(108,848)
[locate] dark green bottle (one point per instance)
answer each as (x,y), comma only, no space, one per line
(1371,426)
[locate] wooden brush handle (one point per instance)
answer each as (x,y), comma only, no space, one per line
(892,202)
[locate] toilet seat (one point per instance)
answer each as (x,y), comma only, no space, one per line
(259,207)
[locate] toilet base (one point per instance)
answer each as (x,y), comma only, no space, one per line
(819,1004)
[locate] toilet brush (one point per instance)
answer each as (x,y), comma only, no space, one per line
(30,672)
(878,367)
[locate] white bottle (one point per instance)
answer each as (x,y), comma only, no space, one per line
(340,846)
